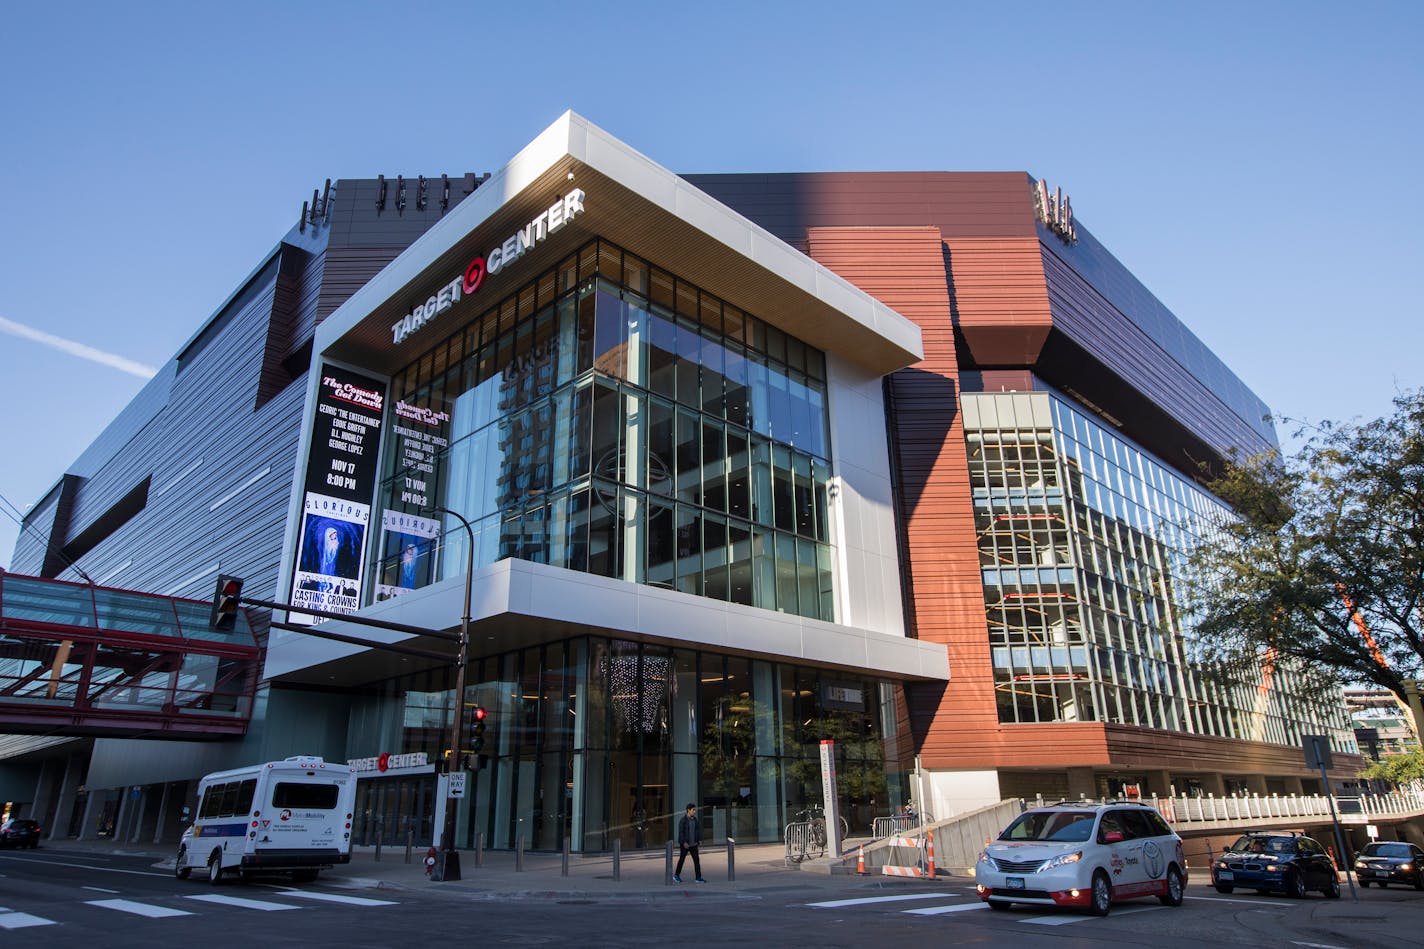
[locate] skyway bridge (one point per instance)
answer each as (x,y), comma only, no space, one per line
(84,660)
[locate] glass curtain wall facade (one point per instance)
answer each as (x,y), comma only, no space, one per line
(611,418)
(603,740)
(1080,536)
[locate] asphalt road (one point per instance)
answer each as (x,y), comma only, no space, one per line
(55,899)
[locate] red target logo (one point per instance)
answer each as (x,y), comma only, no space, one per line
(475,275)
(383,761)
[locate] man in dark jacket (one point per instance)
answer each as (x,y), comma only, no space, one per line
(688,836)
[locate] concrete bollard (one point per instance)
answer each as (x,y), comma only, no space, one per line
(667,866)
(409,844)
(479,850)
(617,859)
(519,854)
(731,860)
(564,870)
(380,832)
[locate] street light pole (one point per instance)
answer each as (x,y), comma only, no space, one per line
(448,866)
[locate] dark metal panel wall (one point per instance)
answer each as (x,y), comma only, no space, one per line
(1210,403)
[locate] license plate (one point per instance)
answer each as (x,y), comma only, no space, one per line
(1013,883)
(1225,875)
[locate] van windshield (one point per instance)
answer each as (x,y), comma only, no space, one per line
(316,797)
(1066,826)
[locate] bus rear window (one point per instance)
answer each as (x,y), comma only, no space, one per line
(317,797)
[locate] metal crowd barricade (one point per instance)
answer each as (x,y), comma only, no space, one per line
(801,841)
(889,826)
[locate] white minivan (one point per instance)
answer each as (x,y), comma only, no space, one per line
(292,815)
(1083,854)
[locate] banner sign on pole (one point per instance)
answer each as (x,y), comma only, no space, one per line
(336,505)
(830,797)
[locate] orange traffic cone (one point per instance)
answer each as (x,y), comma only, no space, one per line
(860,861)
(929,834)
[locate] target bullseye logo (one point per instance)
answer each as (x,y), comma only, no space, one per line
(475,275)
(383,761)
(548,222)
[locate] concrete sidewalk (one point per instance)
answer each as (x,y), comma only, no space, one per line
(759,869)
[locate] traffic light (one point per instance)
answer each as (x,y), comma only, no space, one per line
(477,728)
(225,600)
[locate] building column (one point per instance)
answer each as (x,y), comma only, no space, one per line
(120,818)
(1257,784)
(1293,785)
(137,828)
(37,801)
(1158,783)
(162,812)
(87,824)
(69,785)
(1081,783)
(1213,784)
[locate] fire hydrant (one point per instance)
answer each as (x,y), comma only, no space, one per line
(430,861)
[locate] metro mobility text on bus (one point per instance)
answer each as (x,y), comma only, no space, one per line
(292,815)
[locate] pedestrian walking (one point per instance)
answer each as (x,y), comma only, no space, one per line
(688,837)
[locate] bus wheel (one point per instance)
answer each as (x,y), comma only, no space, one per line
(215,868)
(180,867)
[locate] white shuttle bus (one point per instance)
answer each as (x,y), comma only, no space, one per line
(292,815)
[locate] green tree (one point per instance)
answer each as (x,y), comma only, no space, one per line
(1399,769)
(1324,563)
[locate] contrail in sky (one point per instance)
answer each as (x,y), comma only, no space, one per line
(77,349)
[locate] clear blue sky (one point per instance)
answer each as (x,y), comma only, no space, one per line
(1256,164)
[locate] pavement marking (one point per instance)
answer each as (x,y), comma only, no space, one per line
(84,866)
(337,898)
(242,903)
(1223,899)
(940,910)
(834,904)
(138,909)
(1064,920)
(98,889)
(1316,945)
(9,919)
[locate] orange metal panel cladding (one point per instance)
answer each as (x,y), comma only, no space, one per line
(905,268)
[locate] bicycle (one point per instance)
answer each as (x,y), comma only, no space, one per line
(816,815)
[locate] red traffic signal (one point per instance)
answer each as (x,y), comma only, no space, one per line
(225,603)
(478,715)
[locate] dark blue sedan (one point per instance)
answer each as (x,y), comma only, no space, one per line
(1276,863)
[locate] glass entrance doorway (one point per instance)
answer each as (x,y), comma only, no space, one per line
(387,809)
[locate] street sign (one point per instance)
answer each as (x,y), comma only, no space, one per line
(1317,751)
(457,784)
(1372,831)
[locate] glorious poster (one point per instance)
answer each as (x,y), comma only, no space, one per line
(336,505)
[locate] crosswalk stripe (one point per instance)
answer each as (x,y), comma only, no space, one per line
(242,903)
(336,898)
(1063,920)
(835,904)
(138,909)
(941,910)
(9,920)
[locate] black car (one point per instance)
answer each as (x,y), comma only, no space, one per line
(20,832)
(1386,863)
(1269,863)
